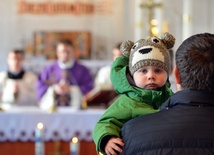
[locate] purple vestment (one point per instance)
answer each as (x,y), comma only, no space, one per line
(76,75)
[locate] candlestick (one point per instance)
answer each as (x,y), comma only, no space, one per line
(74,146)
(39,143)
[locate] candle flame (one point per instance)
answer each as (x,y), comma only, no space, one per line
(40,126)
(75,140)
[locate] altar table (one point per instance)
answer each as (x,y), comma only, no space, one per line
(17,130)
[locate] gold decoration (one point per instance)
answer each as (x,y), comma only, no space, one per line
(151,5)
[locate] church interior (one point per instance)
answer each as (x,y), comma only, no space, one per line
(95,27)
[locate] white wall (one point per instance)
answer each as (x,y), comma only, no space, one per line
(106,30)
(172,12)
(17,29)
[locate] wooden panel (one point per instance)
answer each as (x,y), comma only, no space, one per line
(51,148)
(45,43)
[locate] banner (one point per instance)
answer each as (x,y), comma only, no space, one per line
(63,7)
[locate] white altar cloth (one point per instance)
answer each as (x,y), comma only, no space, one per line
(19,124)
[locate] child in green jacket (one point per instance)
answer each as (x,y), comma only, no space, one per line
(141,77)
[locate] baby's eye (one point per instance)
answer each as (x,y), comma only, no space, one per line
(158,70)
(143,71)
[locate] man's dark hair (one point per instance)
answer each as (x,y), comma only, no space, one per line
(195,62)
(66,42)
(18,51)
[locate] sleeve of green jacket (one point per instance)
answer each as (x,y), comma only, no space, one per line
(111,122)
(113,119)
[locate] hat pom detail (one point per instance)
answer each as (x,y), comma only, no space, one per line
(125,47)
(168,40)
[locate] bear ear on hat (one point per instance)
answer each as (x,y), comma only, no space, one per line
(168,40)
(125,47)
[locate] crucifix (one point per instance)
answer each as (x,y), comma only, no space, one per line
(151,5)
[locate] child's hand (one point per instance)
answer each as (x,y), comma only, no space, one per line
(113,146)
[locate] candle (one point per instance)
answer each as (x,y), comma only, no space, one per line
(39,143)
(74,146)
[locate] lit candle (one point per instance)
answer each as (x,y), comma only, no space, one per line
(39,143)
(74,146)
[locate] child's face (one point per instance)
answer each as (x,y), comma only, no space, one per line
(150,77)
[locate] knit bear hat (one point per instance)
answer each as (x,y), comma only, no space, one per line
(153,51)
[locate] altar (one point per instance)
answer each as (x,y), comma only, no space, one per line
(17,130)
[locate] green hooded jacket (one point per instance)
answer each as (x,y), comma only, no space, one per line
(132,102)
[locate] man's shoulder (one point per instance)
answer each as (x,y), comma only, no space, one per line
(81,66)
(3,75)
(50,66)
(79,63)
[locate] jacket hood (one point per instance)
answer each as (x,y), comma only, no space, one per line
(123,83)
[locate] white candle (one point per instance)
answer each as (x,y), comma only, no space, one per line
(74,146)
(39,143)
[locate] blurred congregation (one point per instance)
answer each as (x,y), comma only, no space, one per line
(57,55)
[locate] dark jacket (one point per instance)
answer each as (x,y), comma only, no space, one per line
(184,126)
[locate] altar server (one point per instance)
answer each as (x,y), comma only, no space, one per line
(18,86)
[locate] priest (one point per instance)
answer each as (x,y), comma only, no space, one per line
(65,82)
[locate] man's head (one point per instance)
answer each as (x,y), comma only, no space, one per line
(65,51)
(15,60)
(195,63)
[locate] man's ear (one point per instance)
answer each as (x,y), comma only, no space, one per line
(177,75)
(177,78)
